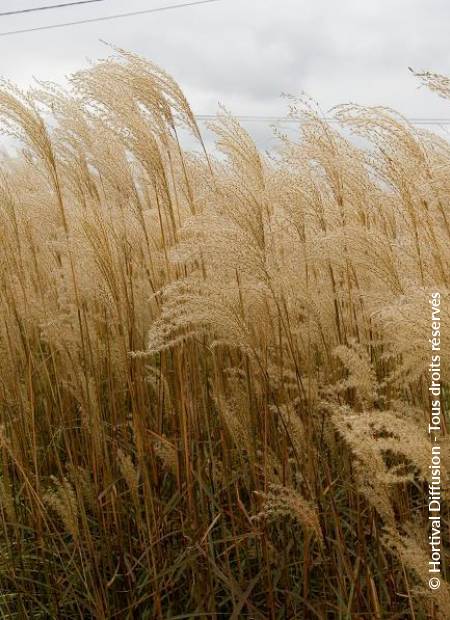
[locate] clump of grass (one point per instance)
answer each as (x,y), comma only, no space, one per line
(213,398)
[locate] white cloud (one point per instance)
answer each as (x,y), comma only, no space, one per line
(244,53)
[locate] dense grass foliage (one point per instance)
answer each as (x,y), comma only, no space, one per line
(214,370)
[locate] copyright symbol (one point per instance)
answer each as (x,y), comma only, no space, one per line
(434,583)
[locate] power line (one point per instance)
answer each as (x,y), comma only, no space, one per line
(289,119)
(48,7)
(108,17)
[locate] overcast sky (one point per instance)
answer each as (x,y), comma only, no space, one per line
(245,53)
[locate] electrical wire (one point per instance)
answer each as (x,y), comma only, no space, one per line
(48,7)
(289,119)
(108,17)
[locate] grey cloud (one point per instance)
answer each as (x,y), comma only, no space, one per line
(245,53)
